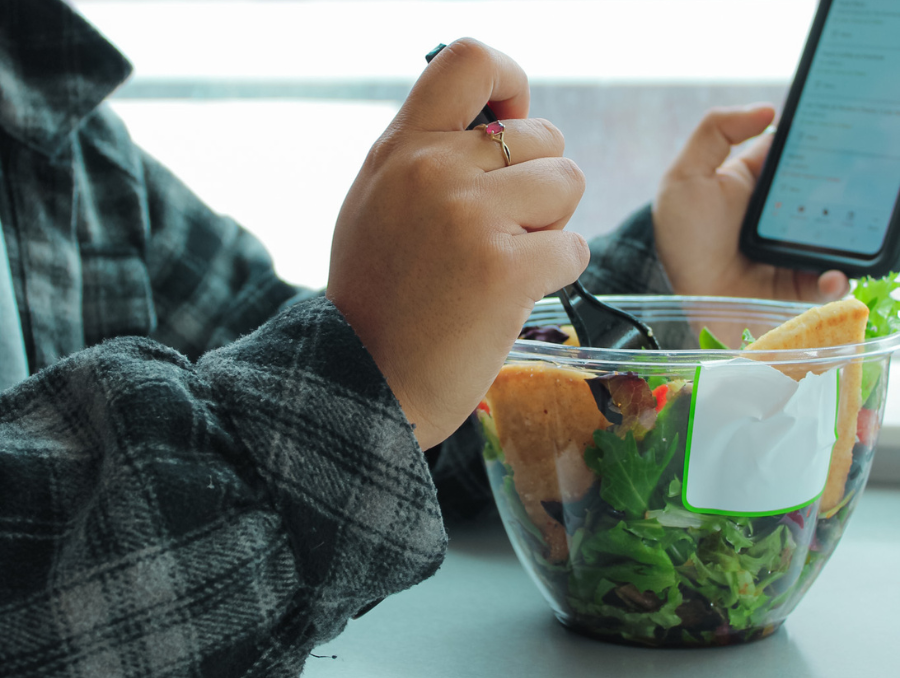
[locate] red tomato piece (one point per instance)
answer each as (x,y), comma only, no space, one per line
(661,393)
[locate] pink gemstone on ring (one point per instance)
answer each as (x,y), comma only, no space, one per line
(494,128)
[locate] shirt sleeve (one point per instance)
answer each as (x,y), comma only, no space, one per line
(163,517)
(625,261)
(212,280)
(155,259)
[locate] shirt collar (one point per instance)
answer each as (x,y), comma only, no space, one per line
(55,68)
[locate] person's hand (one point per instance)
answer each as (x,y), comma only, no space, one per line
(698,212)
(440,251)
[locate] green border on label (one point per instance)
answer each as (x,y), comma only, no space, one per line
(747,514)
(837,410)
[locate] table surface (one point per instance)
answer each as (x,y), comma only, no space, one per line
(480,615)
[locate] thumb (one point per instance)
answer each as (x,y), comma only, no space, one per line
(754,155)
(710,144)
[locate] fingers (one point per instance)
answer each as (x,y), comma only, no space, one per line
(710,144)
(805,286)
(534,195)
(833,285)
(811,287)
(457,84)
(527,139)
(549,260)
(754,156)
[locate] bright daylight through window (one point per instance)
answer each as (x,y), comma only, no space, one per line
(253,103)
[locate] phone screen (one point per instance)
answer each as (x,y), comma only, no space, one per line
(837,182)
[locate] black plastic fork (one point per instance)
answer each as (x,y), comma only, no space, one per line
(600,325)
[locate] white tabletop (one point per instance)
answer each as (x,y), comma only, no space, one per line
(481,616)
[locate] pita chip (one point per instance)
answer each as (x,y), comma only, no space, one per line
(835,324)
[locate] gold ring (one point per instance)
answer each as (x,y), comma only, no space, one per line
(495,131)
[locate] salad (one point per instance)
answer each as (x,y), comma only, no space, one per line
(603,529)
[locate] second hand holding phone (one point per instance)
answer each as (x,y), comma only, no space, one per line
(828,193)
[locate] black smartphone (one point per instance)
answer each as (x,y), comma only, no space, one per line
(828,193)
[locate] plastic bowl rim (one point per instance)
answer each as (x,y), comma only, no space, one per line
(525,349)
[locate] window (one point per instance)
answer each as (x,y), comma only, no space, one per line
(267,109)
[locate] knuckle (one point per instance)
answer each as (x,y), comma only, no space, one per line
(498,259)
(581,251)
(572,173)
(714,116)
(424,166)
(548,134)
(714,112)
(458,208)
(382,149)
(469,49)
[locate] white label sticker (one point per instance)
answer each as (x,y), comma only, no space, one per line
(759,442)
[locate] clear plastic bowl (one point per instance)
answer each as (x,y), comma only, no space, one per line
(603,529)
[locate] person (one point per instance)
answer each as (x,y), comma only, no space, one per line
(208,472)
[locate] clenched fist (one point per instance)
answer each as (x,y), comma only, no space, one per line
(441,250)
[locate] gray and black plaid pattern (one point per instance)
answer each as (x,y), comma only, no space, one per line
(163,514)
(181,493)
(625,261)
(160,518)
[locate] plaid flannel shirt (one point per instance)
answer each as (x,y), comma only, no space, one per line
(206,474)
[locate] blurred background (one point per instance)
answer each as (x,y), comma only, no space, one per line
(267,109)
